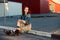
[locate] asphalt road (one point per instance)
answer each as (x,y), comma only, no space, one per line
(48,24)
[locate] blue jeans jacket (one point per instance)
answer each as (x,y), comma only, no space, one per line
(27,18)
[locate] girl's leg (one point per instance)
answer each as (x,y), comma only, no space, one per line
(18,22)
(29,27)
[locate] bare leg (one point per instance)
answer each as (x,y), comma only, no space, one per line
(29,27)
(23,28)
(18,23)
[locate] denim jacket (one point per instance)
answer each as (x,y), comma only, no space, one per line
(27,18)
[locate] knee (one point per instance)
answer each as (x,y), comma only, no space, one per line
(19,20)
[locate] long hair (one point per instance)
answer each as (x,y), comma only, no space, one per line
(28,10)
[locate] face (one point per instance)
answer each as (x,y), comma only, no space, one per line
(26,9)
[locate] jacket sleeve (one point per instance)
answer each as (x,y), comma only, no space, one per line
(28,19)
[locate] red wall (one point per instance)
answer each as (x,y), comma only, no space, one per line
(36,6)
(33,4)
(44,6)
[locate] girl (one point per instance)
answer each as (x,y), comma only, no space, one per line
(24,23)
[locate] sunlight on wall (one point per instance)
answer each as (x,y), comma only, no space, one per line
(56,1)
(6,6)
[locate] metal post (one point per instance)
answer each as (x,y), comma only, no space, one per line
(4,14)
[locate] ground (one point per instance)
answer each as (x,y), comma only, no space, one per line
(46,23)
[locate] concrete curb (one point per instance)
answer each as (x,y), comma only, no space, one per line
(35,32)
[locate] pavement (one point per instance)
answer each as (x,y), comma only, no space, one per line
(49,23)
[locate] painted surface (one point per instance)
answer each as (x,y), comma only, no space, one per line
(33,4)
(56,4)
(44,6)
(40,6)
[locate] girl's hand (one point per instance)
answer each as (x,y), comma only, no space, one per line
(24,21)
